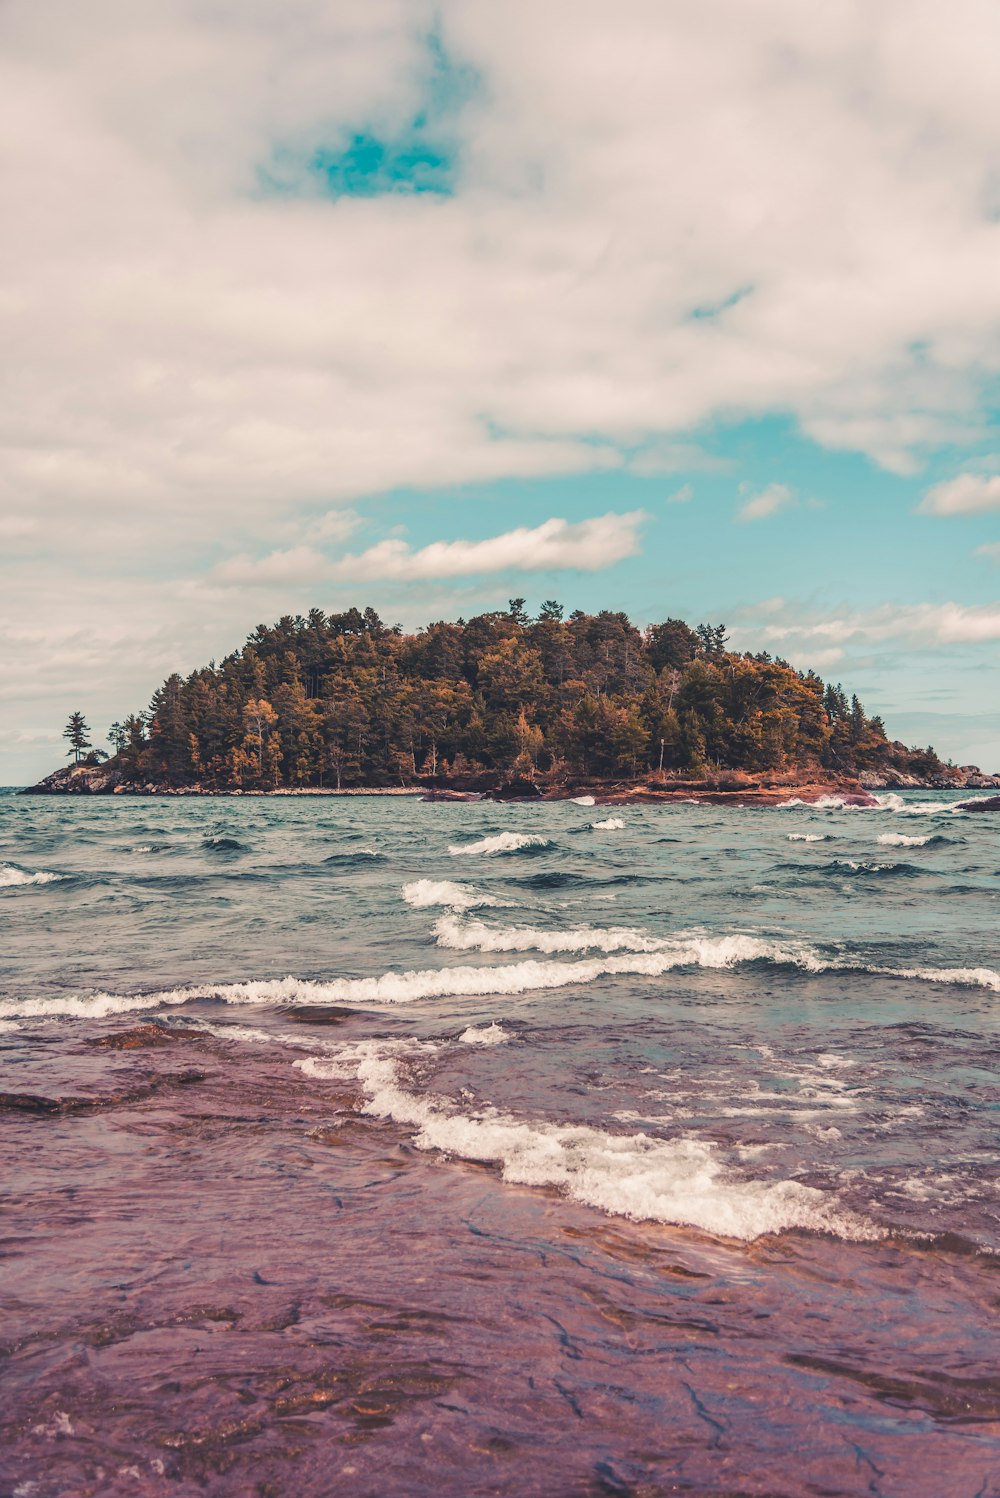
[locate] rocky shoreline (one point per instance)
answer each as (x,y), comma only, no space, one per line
(727,788)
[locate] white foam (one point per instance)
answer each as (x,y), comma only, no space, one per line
(965,977)
(428,983)
(684,950)
(475,936)
(503,842)
(682,1181)
(807,837)
(610,824)
(822,803)
(893,802)
(582,801)
(423,893)
(485,1035)
(11,876)
(900,840)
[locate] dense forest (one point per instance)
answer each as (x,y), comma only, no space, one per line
(343,700)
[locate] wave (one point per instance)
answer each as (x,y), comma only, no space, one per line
(475,936)
(893,802)
(12,877)
(565,879)
(900,840)
(679,1181)
(865,867)
(822,803)
(610,824)
(224,845)
(510,979)
(503,842)
(484,1035)
(356,855)
(808,837)
(423,893)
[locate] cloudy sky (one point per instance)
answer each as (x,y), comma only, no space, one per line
(687,310)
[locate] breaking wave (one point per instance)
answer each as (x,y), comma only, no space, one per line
(511,979)
(808,837)
(900,840)
(12,877)
(424,893)
(610,824)
(893,802)
(678,1181)
(865,867)
(484,1035)
(475,936)
(503,842)
(824,803)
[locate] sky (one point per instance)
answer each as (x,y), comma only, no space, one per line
(691,311)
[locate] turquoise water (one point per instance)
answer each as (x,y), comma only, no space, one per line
(769,1035)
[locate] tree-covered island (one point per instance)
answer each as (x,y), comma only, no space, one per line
(502,701)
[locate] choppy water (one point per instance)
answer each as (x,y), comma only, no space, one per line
(505,1149)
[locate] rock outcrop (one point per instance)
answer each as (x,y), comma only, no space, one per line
(79,780)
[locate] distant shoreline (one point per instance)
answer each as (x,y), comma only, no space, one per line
(725,788)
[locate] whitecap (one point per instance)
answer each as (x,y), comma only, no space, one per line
(492,1034)
(900,840)
(682,1181)
(475,936)
(530,975)
(807,837)
(12,877)
(610,824)
(423,893)
(822,803)
(503,842)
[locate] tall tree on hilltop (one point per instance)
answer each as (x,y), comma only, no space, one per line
(77,731)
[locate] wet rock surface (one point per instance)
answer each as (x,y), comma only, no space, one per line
(238,1287)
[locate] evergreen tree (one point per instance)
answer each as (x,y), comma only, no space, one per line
(348,700)
(76,731)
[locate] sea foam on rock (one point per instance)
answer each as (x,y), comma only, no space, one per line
(681,1181)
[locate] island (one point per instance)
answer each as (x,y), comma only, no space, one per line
(504,705)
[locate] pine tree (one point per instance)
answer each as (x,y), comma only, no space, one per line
(77,731)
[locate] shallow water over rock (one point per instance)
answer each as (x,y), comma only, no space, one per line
(719,1220)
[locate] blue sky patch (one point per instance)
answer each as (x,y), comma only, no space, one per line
(370,161)
(368,167)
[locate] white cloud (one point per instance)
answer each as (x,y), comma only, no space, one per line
(640,240)
(968,494)
(991,549)
(640,243)
(681,496)
(588,545)
(333,525)
(919,626)
(769,501)
(299,564)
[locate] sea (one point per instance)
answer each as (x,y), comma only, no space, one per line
(362,1145)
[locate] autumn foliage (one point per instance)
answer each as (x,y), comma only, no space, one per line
(343,700)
